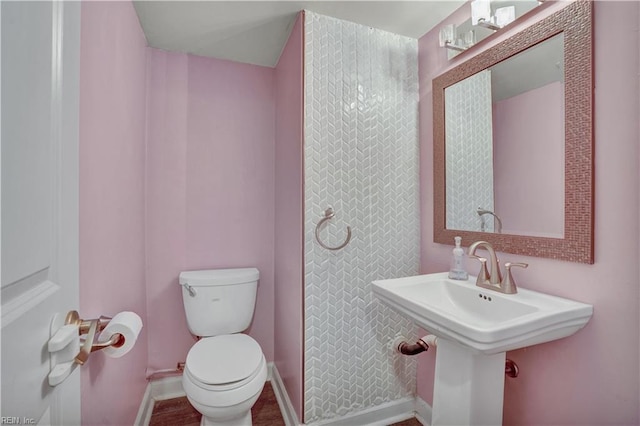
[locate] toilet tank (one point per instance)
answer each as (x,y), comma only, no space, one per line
(219,301)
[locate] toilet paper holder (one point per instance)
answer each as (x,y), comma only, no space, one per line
(65,340)
(92,329)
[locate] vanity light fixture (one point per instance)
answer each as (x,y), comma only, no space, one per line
(481,15)
(449,38)
(505,15)
(490,14)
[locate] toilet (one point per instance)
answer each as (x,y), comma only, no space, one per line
(225,370)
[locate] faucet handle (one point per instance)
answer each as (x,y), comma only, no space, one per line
(508,283)
(483,275)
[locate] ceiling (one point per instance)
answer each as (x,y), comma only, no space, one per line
(530,69)
(255,32)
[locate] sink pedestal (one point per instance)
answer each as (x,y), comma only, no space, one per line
(469,386)
(470,324)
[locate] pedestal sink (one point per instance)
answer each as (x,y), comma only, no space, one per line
(475,327)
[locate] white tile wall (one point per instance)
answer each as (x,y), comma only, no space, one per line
(361,157)
(469,153)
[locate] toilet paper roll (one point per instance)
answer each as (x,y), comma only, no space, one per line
(129,325)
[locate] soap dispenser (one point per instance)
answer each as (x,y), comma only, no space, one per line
(458,271)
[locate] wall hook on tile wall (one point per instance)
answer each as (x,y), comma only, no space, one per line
(328,214)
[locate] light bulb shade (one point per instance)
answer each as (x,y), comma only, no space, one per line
(468,38)
(480,11)
(505,15)
(447,35)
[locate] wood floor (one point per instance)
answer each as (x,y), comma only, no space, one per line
(265,412)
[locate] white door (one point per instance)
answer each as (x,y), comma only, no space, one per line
(39,202)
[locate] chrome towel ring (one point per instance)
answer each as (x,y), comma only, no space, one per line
(328,214)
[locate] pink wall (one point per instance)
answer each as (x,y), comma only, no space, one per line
(289,341)
(166,198)
(112,255)
(522,147)
(210,188)
(591,377)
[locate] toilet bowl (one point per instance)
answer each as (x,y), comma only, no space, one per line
(223,378)
(226,370)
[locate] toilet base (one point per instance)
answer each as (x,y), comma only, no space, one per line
(226,404)
(232,415)
(238,421)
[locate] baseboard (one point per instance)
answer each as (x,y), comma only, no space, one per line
(167,388)
(158,390)
(423,411)
(286,407)
(146,408)
(380,415)
(270,367)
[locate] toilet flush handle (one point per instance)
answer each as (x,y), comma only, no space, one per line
(191,290)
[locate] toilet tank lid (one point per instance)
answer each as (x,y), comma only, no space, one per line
(213,277)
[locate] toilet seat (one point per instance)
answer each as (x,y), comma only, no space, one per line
(214,369)
(224,362)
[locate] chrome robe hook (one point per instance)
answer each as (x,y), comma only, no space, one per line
(328,214)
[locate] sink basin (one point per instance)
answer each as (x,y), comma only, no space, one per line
(485,321)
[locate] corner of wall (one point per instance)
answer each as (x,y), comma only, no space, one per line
(112,234)
(288,225)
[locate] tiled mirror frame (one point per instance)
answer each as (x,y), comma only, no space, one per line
(576,22)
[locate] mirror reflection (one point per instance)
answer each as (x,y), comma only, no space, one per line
(502,125)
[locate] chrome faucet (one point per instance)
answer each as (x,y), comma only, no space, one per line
(493,280)
(497,220)
(485,277)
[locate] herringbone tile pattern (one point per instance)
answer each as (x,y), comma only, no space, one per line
(361,157)
(469,153)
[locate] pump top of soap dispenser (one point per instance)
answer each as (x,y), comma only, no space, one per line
(458,271)
(458,241)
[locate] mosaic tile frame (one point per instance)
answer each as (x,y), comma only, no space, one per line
(576,22)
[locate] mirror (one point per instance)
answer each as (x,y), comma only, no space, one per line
(513,142)
(494,143)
